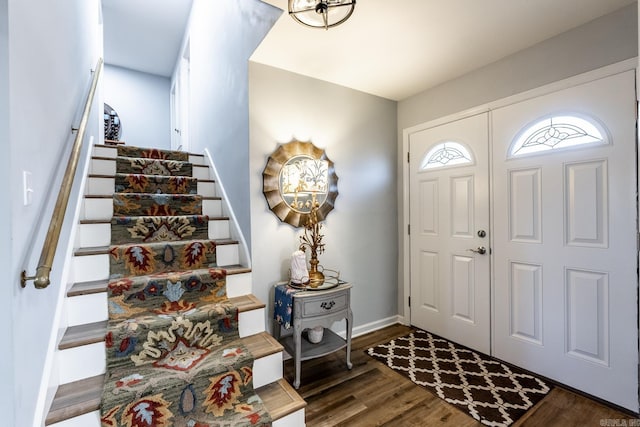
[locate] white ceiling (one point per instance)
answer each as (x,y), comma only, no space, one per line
(144,35)
(389,48)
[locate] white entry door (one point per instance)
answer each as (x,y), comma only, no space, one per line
(449,217)
(564,237)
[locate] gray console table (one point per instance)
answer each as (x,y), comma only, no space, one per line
(317,308)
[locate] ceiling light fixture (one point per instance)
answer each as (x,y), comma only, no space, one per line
(321,13)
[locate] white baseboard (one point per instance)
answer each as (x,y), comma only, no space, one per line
(370,327)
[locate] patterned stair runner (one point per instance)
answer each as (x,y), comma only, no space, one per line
(174,356)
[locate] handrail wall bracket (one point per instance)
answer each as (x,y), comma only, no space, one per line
(42,277)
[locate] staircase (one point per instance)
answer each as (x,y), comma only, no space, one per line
(80,359)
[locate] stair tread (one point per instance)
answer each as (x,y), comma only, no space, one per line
(83,396)
(261,344)
(76,398)
(89,333)
(98,286)
(108,221)
(110,196)
(80,397)
(87,288)
(124,143)
(103,250)
(111,176)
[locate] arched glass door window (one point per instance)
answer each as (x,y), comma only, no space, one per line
(447,154)
(556,132)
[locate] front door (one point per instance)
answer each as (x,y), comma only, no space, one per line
(449,217)
(564,253)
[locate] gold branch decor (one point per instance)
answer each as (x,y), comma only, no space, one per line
(312,239)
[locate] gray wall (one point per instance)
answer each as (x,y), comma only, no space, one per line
(606,40)
(142,101)
(222,36)
(358,132)
(52,48)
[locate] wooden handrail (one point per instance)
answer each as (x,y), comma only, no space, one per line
(41,279)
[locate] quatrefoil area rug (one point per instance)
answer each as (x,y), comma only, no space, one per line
(489,391)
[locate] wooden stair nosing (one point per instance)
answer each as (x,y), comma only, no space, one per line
(83,396)
(280,399)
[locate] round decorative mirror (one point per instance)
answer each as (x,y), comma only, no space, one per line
(297,176)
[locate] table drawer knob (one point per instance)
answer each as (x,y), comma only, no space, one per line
(328,305)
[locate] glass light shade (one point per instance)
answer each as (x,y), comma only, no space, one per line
(321,13)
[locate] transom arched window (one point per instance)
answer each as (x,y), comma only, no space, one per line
(447,154)
(554,133)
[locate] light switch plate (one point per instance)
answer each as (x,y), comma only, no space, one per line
(27,188)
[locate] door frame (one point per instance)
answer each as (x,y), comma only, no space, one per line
(404,247)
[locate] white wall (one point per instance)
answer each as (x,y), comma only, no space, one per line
(6,291)
(223,35)
(142,102)
(52,48)
(606,40)
(358,132)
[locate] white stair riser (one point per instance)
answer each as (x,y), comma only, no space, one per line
(89,360)
(96,235)
(267,370)
(81,362)
(197,160)
(219,229)
(97,209)
(84,309)
(105,151)
(251,322)
(294,419)
(99,186)
(212,208)
(227,255)
(88,268)
(238,284)
(103,167)
(92,419)
(201,172)
(207,189)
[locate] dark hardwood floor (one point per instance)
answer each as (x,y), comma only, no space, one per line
(370,394)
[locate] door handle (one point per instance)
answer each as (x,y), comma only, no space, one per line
(480,250)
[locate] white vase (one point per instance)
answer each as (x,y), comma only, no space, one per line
(314,335)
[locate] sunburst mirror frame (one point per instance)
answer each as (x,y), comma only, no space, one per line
(271,182)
